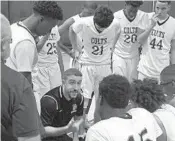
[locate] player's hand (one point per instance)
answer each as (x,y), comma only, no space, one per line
(154,19)
(72,53)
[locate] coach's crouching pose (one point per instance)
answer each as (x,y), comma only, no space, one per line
(62,108)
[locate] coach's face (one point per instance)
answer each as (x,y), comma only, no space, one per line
(162,9)
(72,86)
(45,24)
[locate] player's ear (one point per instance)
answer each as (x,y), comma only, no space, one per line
(169,7)
(41,19)
(101,99)
(63,81)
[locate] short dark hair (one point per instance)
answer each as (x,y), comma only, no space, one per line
(165,1)
(116,90)
(148,94)
(103,16)
(90,5)
(48,8)
(71,71)
(134,3)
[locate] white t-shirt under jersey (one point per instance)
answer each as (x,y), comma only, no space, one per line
(23,54)
(166,114)
(145,123)
(128,35)
(113,129)
(96,46)
(141,127)
(155,54)
(48,54)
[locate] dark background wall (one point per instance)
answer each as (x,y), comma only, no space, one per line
(16,10)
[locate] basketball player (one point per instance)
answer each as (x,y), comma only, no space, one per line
(99,34)
(158,41)
(126,56)
(24,55)
(149,95)
(117,124)
(48,71)
(89,8)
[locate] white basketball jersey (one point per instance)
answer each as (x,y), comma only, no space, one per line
(48,53)
(167,116)
(145,124)
(113,129)
(128,35)
(96,46)
(20,33)
(155,54)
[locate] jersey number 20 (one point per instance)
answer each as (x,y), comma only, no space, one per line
(130,38)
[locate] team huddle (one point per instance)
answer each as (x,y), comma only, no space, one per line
(120,85)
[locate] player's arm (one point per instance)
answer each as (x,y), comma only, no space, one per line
(25,112)
(172,55)
(42,41)
(117,35)
(73,31)
(24,52)
(65,26)
(62,29)
(144,36)
(66,49)
(60,59)
(32,138)
(48,111)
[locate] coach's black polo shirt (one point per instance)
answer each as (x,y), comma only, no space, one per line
(57,111)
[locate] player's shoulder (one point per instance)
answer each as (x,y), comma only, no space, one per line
(118,14)
(76,17)
(150,14)
(141,13)
(55,28)
(139,112)
(171,20)
(87,21)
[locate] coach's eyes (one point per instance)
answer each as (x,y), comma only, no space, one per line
(71,82)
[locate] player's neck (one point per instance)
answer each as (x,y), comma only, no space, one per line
(109,112)
(163,18)
(30,24)
(127,15)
